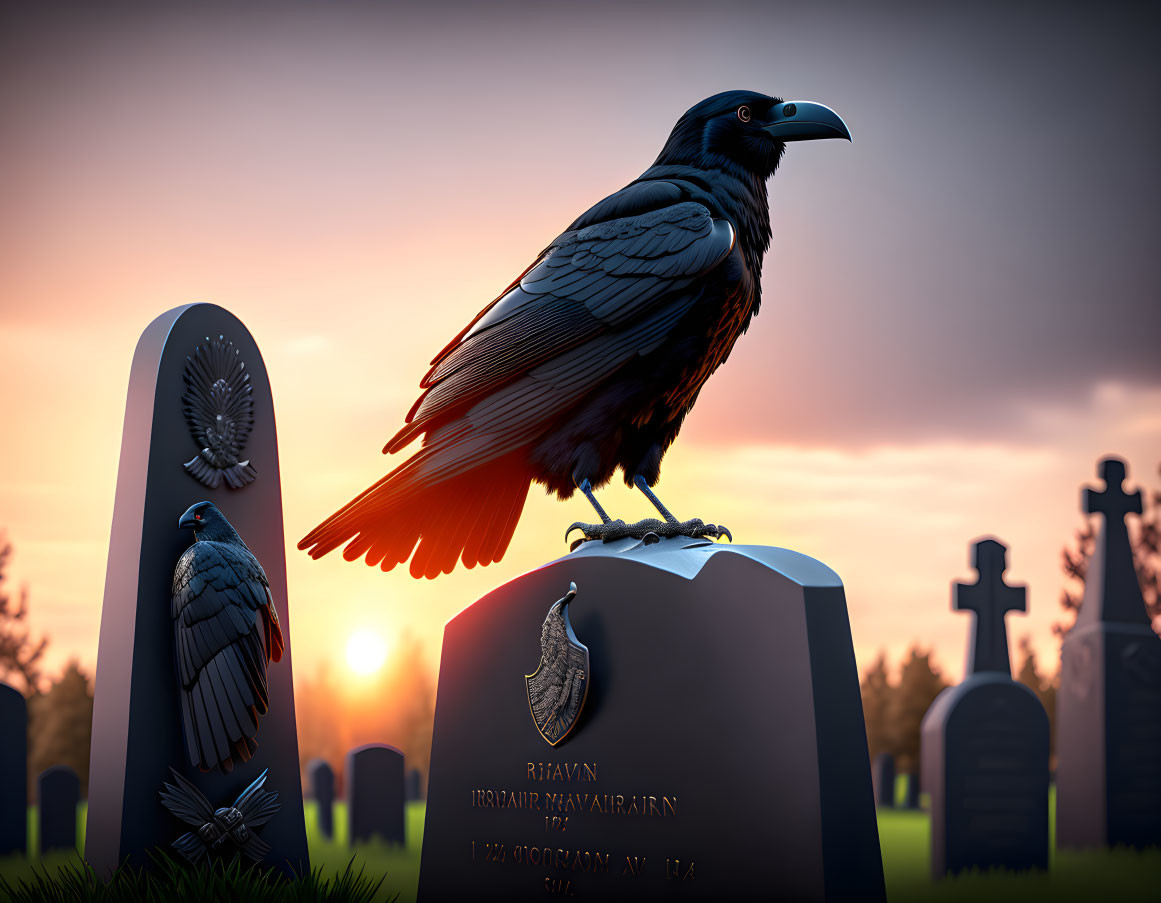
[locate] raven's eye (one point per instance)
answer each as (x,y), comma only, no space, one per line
(197,517)
(744,113)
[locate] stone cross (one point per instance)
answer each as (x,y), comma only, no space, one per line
(984,743)
(1113,592)
(990,598)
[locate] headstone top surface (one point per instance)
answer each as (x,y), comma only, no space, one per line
(686,557)
(990,598)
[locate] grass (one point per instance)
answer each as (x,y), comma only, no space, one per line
(1119,875)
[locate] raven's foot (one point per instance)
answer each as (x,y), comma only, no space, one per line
(649,530)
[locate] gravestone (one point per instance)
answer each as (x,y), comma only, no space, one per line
(1108,770)
(414,786)
(13,771)
(164,469)
(911,791)
(58,791)
(695,730)
(374,779)
(321,778)
(984,743)
(883,778)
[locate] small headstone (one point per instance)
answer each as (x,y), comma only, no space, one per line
(321,778)
(414,787)
(374,779)
(687,724)
(13,771)
(883,777)
(58,791)
(910,791)
(1108,771)
(199,426)
(984,743)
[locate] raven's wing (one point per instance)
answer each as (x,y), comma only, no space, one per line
(219,591)
(609,289)
(598,295)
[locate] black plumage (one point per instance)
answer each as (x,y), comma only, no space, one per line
(226,631)
(590,361)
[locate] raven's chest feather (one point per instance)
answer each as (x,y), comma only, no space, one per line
(701,343)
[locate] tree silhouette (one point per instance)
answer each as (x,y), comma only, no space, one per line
(19,654)
(876,691)
(60,726)
(1044,688)
(919,683)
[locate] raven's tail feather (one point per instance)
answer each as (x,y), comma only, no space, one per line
(469,517)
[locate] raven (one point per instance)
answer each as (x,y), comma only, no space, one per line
(220,593)
(591,359)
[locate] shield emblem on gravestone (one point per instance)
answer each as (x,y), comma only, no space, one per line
(557,689)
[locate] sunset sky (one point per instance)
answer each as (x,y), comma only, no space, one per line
(962,307)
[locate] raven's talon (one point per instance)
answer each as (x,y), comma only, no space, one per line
(614,529)
(650,538)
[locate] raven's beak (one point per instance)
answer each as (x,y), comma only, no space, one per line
(187,519)
(801,120)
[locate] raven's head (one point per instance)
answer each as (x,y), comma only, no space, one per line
(207,521)
(747,130)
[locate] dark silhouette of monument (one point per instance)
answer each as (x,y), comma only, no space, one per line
(984,743)
(13,771)
(1108,773)
(137,718)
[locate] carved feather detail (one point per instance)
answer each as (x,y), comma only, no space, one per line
(219,407)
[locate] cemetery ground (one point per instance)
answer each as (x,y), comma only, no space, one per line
(1119,874)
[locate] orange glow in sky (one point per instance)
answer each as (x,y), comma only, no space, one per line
(355,187)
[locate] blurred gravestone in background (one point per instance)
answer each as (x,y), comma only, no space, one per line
(985,742)
(321,779)
(58,791)
(374,782)
(709,744)
(414,785)
(910,791)
(168,462)
(1108,774)
(883,777)
(13,771)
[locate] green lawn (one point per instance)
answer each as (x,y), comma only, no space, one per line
(1117,876)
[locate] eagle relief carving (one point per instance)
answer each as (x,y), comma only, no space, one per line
(219,407)
(557,689)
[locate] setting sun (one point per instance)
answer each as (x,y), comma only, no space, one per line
(366,652)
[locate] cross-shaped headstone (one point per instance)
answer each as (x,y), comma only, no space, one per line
(990,598)
(1112,591)
(1112,501)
